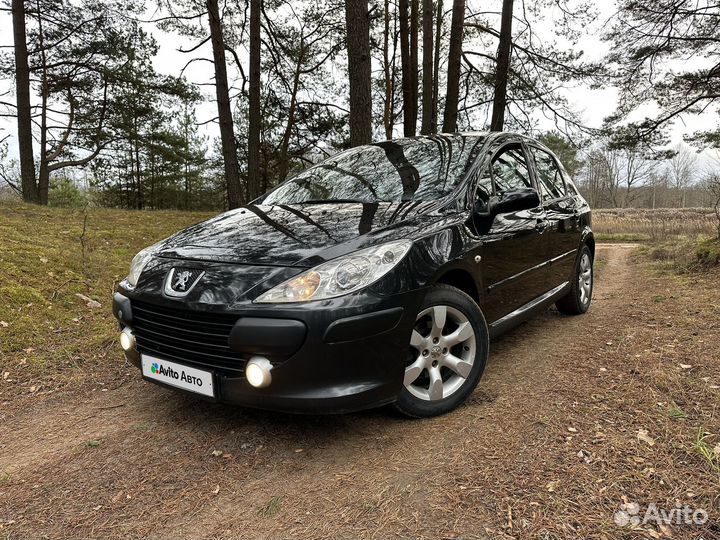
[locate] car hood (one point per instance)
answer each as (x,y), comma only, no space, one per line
(298,235)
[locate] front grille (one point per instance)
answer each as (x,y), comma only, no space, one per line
(195,337)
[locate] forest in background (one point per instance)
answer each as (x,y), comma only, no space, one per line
(294,82)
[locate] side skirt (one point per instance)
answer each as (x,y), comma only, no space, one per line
(523,313)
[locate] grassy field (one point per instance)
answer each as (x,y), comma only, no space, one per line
(638,224)
(574,416)
(48,257)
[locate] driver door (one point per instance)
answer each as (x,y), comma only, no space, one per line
(513,261)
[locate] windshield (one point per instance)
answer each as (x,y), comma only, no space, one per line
(421,169)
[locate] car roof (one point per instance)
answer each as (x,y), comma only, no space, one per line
(465,135)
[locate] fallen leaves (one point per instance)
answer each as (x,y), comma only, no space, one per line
(89,302)
(585,456)
(642,435)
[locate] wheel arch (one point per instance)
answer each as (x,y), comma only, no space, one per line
(462,279)
(589,241)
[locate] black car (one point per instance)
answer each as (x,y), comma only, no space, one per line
(376,276)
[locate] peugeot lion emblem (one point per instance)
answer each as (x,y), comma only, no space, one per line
(180,281)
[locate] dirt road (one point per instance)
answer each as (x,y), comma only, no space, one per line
(547,446)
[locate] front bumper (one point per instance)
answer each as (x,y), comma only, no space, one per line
(332,356)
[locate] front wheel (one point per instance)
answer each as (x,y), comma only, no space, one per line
(448,352)
(577,300)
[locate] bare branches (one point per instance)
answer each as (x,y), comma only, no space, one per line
(195,47)
(647,38)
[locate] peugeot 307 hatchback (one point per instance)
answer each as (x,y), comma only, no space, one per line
(377,276)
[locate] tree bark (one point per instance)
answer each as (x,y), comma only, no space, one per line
(43,185)
(359,71)
(254,104)
(436,67)
(503,67)
(407,93)
(427,77)
(227,131)
(24,114)
(453,75)
(285,143)
(389,80)
(414,47)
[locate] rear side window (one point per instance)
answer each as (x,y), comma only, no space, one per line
(549,175)
(510,171)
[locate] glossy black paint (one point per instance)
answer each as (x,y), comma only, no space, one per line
(348,353)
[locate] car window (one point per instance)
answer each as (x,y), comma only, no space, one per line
(510,171)
(420,169)
(483,190)
(549,175)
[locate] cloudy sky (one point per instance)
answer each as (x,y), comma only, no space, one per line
(592,104)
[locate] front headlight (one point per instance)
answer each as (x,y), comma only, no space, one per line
(137,265)
(340,276)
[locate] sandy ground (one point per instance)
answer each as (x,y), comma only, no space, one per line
(547,446)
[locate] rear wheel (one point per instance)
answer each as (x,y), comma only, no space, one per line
(448,352)
(578,299)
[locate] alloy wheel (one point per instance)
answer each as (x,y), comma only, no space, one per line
(443,348)
(585,277)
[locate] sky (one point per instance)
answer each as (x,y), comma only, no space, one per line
(593,105)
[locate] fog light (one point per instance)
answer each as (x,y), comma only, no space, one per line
(127,339)
(257,372)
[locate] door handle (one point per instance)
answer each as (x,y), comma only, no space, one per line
(541,225)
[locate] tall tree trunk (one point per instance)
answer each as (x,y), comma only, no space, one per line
(407,93)
(24,114)
(254,104)
(503,67)
(186,161)
(389,80)
(414,47)
(43,185)
(227,130)
(427,78)
(285,143)
(436,67)
(453,75)
(358,46)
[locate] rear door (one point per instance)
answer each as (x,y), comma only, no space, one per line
(562,236)
(513,257)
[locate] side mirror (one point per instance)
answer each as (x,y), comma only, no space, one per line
(515,201)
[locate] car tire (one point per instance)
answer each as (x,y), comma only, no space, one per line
(577,300)
(447,355)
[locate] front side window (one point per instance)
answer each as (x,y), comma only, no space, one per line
(483,191)
(549,175)
(422,169)
(510,171)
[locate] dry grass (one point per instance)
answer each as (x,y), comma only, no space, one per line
(48,257)
(637,224)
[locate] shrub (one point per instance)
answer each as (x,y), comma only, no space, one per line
(708,252)
(64,193)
